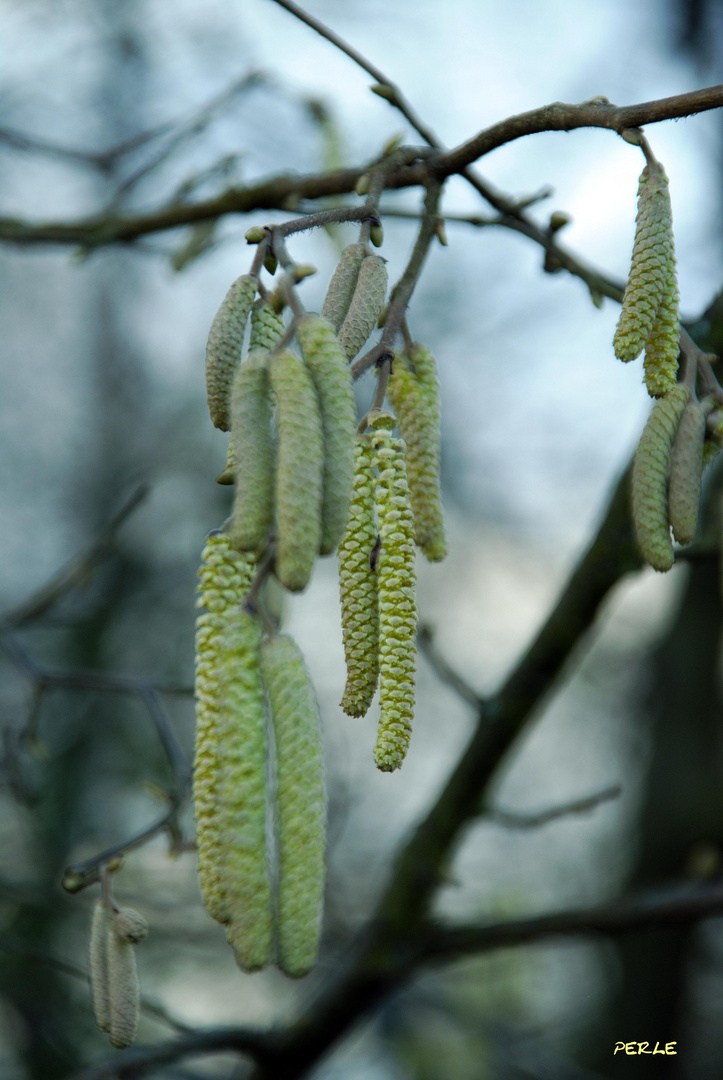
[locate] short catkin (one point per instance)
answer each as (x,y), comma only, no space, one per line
(267,326)
(252,437)
(686,471)
(244,868)
(125,990)
(300,803)
(653,257)
(298,471)
(342,284)
(327,363)
(358,588)
(225,576)
(416,402)
(650,478)
(397,605)
(366,305)
(98,964)
(223,350)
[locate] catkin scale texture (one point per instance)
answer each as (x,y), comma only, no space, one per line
(244,869)
(225,577)
(686,471)
(663,344)
(650,479)
(98,964)
(397,606)
(416,402)
(358,589)
(125,991)
(252,437)
(298,471)
(652,259)
(223,350)
(343,282)
(330,373)
(267,326)
(300,803)
(366,305)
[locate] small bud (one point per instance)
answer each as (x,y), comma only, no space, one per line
(255,234)
(376,235)
(440,231)
(271,262)
(362,185)
(383,90)
(301,271)
(558,220)
(632,135)
(72,882)
(392,144)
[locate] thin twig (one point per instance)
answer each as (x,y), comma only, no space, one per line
(514,820)
(425,641)
(138,1061)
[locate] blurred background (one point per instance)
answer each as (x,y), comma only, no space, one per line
(127,106)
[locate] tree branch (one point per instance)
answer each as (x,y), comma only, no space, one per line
(135,1062)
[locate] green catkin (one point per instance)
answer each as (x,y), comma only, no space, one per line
(397,607)
(251,433)
(225,577)
(98,964)
(650,478)
(416,402)
(663,344)
(300,803)
(652,260)
(366,305)
(229,472)
(244,867)
(342,284)
(223,350)
(686,471)
(267,326)
(358,589)
(298,471)
(124,988)
(327,363)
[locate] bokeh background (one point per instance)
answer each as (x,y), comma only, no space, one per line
(103,390)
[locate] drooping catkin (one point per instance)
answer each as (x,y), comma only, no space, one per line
(686,471)
(327,363)
(342,284)
(358,589)
(223,350)
(397,606)
(298,471)
(225,576)
(130,926)
(650,268)
(253,506)
(366,305)
(650,478)
(416,402)
(244,869)
(98,964)
(300,803)
(125,990)
(663,344)
(267,326)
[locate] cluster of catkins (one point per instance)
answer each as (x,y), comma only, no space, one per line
(305,483)
(114,986)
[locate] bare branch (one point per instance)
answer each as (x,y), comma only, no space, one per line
(132,1063)
(513,820)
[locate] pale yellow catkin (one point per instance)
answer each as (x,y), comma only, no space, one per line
(358,588)
(686,471)
(397,605)
(225,342)
(225,576)
(267,326)
(660,363)
(651,263)
(251,433)
(327,363)
(342,285)
(98,964)
(650,479)
(125,990)
(366,305)
(300,804)
(242,797)
(298,471)
(416,402)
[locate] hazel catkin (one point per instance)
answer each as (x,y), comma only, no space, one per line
(124,989)
(686,471)
(101,926)
(366,305)
(267,326)
(223,350)
(251,434)
(342,284)
(300,803)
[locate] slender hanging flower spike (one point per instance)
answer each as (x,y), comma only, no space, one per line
(225,577)
(650,478)
(98,964)
(358,589)
(253,506)
(327,363)
(300,803)
(652,265)
(241,795)
(415,397)
(366,305)
(298,471)
(397,606)
(124,986)
(223,351)
(686,472)
(663,344)
(342,284)
(267,326)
